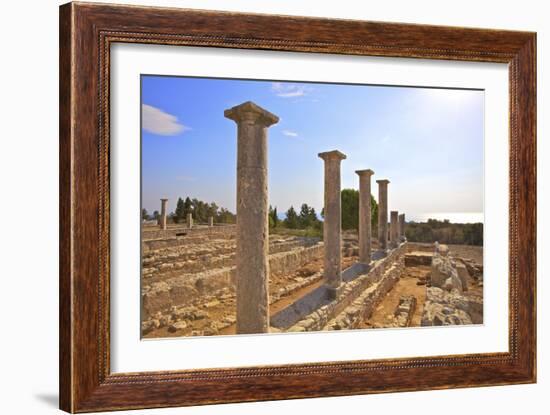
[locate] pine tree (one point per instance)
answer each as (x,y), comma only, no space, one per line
(272,217)
(374,216)
(313,219)
(275,217)
(180,211)
(187,207)
(213,210)
(350,209)
(291,220)
(303,219)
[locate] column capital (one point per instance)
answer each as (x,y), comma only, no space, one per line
(164,199)
(250,112)
(332,155)
(382,181)
(367,172)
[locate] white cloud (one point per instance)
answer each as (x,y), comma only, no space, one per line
(290,133)
(159,122)
(289,90)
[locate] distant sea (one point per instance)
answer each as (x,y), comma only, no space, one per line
(453,217)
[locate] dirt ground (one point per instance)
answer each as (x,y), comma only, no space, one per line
(407,285)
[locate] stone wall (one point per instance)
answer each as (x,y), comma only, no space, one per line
(175,230)
(416,258)
(404,311)
(444,273)
(443,308)
(187,288)
(199,255)
(363,307)
(150,245)
(447,300)
(420,247)
(357,298)
(471,268)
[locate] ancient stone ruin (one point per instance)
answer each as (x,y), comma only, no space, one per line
(448,301)
(209,278)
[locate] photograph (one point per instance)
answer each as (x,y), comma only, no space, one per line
(283,206)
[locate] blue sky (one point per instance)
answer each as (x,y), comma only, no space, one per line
(427,142)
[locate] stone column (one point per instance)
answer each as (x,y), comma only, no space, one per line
(162,219)
(394,228)
(252,262)
(332,226)
(210,221)
(365,231)
(402,236)
(383,213)
(189,220)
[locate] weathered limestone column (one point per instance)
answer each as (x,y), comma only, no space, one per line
(402,236)
(162,219)
(252,262)
(189,220)
(332,226)
(383,213)
(394,228)
(365,230)
(210,221)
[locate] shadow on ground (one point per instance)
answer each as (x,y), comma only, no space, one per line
(50,399)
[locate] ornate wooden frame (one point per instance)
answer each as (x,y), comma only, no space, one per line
(86,33)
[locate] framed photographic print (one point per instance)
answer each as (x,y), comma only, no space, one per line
(260,207)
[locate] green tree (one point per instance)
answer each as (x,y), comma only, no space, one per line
(275,217)
(179,214)
(144,214)
(156,215)
(374,216)
(197,209)
(314,220)
(304,218)
(213,210)
(272,217)
(291,220)
(187,207)
(350,209)
(445,232)
(308,218)
(225,216)
(201,211)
